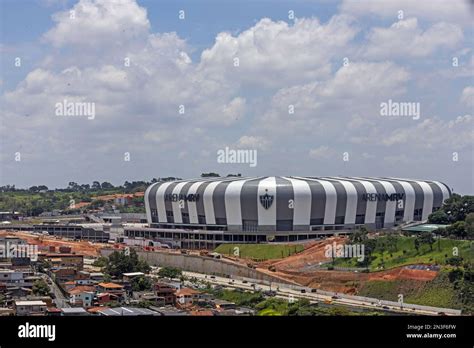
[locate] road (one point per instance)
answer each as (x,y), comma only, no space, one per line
(60,300)
(315,297)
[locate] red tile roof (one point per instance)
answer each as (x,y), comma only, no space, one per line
(110,286)
(187,291)
(81,288)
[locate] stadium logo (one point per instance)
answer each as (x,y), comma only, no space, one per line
(174,197)
(382,196)
(266,200)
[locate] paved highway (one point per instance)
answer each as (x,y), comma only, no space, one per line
(291,293)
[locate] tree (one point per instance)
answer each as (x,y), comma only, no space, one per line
(120,263)
(170,272)
(101,262)
(210,175)
(417,245)
(427,238)
(107,185)
(469,226)
(40,288)
(438,217)
(454,261)
(73,186)
(96,185)
(358,236)
(458,207)
(141,284)
(458,229)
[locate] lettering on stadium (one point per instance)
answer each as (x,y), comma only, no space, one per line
(382,196)
(174,197)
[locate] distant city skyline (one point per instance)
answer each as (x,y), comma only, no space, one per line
(92,90)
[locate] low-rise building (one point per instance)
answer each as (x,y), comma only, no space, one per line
(126,311)
(74,312)
(30,308)
(82,296)
(105,297)
(167,292)
(186,297)
(112,288)
(75,261)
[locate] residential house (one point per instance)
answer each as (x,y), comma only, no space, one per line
(166,291)
(30,308)
(186,297)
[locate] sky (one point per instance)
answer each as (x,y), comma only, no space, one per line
(168,85)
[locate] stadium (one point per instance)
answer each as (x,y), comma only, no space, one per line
(239,209)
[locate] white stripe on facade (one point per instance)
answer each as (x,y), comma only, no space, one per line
(267,217)
(192,207)
(147,202)
(302,201)
(160,201)
(371,206)
(178,217)
(208,202)
(331,200)
(351,201)
(233,209)
(427,199)
(409,208)
(390,206)
(443,189)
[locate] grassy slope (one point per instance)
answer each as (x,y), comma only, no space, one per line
(438,293)
(260,251)
(411,256)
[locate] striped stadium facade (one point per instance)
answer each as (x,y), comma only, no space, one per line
(290,204)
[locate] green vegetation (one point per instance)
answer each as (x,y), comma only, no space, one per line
(260,251)
(119,262)
(170,272)
(40,288)
(278,307)
(141,284)
(38,199)
(450,289)
(239,297)
(391,251)
(459,212)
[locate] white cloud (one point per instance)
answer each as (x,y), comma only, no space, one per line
(467,96)
(321,152)
(276,53)
(252,142)
(406,39)
(94,23)
(456,11)
(455,134)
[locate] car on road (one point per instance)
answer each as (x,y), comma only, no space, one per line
(244,281)
(385,307)
(213,277)
(270,293)
(314,290)
(334,297)
(303,291)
